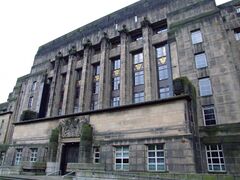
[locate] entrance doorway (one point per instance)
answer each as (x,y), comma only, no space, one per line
(70,152)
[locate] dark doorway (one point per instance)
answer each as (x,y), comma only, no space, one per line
(70,153)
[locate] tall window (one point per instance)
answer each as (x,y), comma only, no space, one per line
(116,65)
(196,37)
(138,69)
(162,63)
(122,158)
(33,157)
(34,85)
(215,158)
(115,101)
(205,87)
(30,102)
(18,157)
(209,115)
(138,97)
(96,155)
(95,86)
(200,60)
(156,159)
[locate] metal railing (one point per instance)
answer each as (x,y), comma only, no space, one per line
(58,173)
(68,174)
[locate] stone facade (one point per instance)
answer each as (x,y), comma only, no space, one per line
(120,92)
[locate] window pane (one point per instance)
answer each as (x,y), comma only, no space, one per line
(196,37)
(200,60)
(215,158)
(205,87)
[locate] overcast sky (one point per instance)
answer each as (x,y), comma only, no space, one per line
(28,24)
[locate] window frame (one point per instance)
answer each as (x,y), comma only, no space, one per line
(164,94)
(208,107)
(196,36)
(96,151)
(34,154)
(210,156)
(122,151)
(30,102)
(115,102)
(205,89)
(18,156)
(156,151)
(140,97)
(200,60)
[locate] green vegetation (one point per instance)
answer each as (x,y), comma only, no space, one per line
(28,115)
(53,144)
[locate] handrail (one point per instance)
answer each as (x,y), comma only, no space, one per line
(68,174)
(58,173)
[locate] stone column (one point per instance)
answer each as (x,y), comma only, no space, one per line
(67,86)
(124,57)
(55,80)
(150,86)
(85,89)
(174,60)
(72,81)
(104,69)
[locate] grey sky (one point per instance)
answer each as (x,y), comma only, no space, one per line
(28,24)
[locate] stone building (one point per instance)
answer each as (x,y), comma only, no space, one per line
(154,86)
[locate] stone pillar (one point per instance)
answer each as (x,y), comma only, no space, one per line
(174,60)
(72,83)
(104,69)
(85,89)
(67,86)
(150,86)
(124,78)
(52,105)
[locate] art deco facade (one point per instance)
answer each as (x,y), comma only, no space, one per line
(120,90)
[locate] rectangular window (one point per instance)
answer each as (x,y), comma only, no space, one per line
(215,158)
(34,85)
(138,78)
(122,158)
(116,64)
(116,83)
(33,157)
(96,155)
(156,159)
(78,74)
(200,60)
(196,37)
(163,72)
(30,102)
(18,157)
(209,115)
(138,97)
(164,92)
(138,58)
(205,87)
(96,69)
(115,101)
(237,34)
(95,87)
